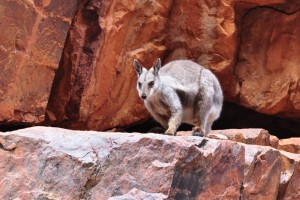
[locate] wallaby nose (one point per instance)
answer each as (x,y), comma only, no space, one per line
(144,96)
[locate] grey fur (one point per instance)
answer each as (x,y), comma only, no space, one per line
(182,91)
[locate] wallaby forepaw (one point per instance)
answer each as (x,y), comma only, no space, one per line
(197,131)
(170,132)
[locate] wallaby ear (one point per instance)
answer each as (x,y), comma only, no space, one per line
(137,67)
(157,66)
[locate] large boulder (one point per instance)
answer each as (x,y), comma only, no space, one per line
(32,39)
(53,163)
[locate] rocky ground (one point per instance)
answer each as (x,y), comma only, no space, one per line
(54,163)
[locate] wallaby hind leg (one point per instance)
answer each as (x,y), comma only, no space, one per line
(214,114)
(201,118)
(198,131)
(208,127)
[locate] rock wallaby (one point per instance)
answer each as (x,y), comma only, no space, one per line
(181,91)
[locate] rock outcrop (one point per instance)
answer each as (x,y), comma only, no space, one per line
(32,39)
(53,163)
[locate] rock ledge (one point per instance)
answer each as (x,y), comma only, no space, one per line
(54,163)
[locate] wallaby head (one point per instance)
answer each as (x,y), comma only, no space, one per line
(148,80)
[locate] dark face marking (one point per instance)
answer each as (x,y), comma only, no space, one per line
(151,84)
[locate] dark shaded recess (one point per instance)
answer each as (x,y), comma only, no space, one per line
(235,116)
(151,126)
(75,67)
(90,18)
(14,127)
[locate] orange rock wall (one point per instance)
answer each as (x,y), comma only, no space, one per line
(252,46)
(32,38)
(102,92)
(268,62)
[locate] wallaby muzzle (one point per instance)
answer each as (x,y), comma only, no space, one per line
(143,96)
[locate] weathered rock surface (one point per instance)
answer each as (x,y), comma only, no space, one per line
(250,136)
(293,190)
(267,65)
(242,42)
(291,145)
(97,64)
(136,194)
(32,38)
(254,136)
(54,163)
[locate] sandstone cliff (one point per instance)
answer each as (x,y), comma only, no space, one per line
(250,45)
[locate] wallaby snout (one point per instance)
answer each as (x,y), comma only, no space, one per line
(143,96)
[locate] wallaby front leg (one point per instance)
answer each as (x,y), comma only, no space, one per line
(174,123)
(173,101)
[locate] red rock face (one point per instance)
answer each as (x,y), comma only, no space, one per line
(200,175)
(290,145)
(267,65)
(293,190)
(95,85)
(97,65)
(31,42)
(252,46)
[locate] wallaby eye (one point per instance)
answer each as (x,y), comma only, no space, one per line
(151,83)
(139,84)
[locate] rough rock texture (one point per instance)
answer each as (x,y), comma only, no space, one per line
(250,136)
(97,65)
(291,145)
(267,65)
(293,190)
(136,194)
(53,163)
(242,42)
(32,38)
